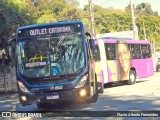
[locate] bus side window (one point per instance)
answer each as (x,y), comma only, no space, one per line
(146,51)
(96,53)
(135,51)
(133,54)
(110,51)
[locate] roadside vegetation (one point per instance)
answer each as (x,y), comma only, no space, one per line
(16,13)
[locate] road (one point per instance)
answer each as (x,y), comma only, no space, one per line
(142,96)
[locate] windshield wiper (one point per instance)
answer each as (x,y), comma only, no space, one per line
(61,41)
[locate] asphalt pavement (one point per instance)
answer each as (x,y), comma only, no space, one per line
(142,96)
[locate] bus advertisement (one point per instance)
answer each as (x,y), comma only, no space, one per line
(122,60)
(55,63)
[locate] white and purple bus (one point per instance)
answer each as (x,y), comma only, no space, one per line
(122,60)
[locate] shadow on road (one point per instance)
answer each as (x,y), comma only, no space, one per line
(62,106)
(118,84)
(106,104)
(126,98)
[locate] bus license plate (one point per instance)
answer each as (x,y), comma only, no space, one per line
(52,97)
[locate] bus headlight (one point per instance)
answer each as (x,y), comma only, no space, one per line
(82,81)
(82,92)
(22,87)
(24,98)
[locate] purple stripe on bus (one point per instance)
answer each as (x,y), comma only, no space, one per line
(138,41)
(127,41)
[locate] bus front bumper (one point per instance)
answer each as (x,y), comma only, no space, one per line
(79,94)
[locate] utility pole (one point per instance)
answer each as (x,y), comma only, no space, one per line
(91,17)
(144,31)
(135,29)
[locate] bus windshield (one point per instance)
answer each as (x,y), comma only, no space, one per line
(51,55)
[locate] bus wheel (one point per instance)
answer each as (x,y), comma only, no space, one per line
(132,77)
(102,89)
(43,105)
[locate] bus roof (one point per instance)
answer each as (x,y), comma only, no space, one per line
(49,24)
(126,41)
(55,28)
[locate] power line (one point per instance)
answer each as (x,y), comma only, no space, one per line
(142,10)
(110,1)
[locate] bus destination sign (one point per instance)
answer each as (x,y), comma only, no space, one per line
(48,30)
(45,31)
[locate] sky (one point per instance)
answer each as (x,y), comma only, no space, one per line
(121,4)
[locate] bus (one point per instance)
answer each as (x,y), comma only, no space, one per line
(54,63)
(122,60)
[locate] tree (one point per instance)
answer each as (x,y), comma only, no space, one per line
(147,9)
(16,13)
(53,10)
(12,15)
(114,20)
(152,27)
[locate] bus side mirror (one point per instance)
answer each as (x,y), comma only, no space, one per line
(92,45)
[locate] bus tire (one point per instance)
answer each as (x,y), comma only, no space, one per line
(132,77)
(102,89)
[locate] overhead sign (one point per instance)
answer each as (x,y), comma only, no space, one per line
(45,31)
(40,30)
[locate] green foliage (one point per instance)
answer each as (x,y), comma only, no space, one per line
(16,13)
(117,20)
(12,15)
(151,25)
(147,9)
(111,20)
